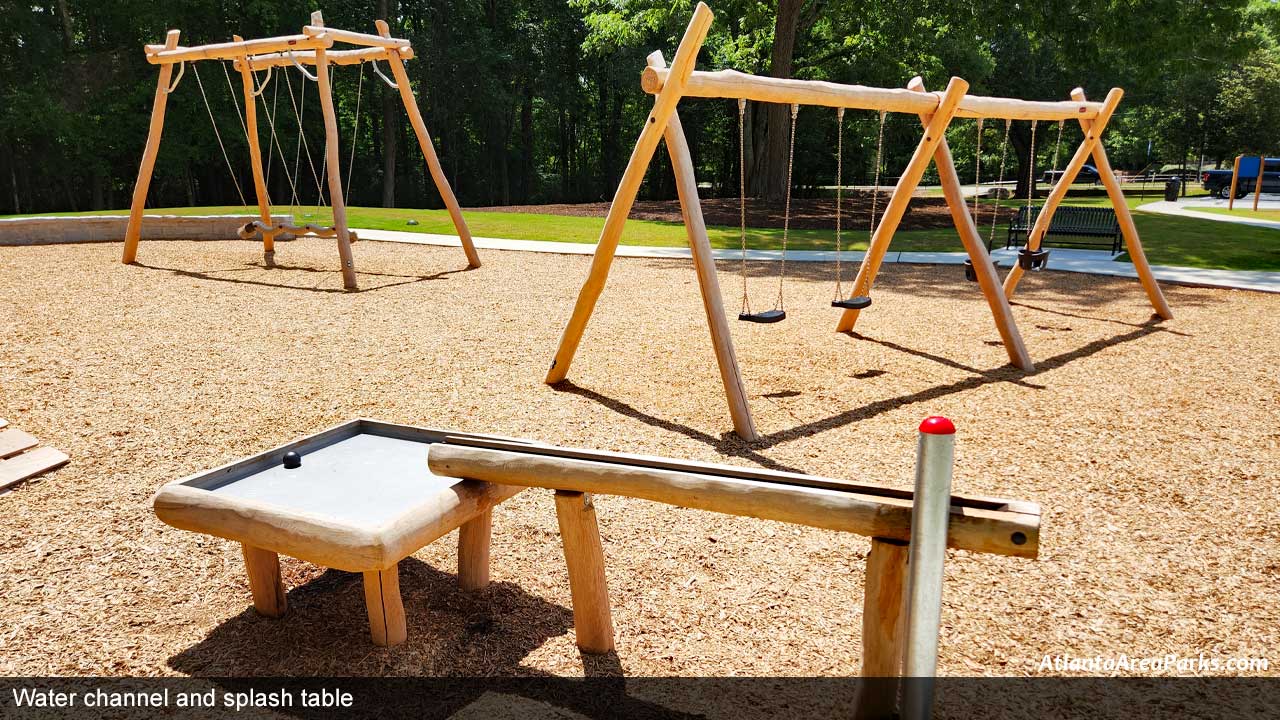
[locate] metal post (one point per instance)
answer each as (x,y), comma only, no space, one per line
(929,522)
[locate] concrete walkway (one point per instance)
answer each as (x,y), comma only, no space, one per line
(1187,208)
(1094,262)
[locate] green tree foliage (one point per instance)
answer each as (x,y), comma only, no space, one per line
(533,101)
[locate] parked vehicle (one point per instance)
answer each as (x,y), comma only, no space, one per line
(1218,182)
(1088,174)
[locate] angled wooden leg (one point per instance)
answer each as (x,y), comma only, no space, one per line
(934,133)
(473,551)
(386,611)
(255,157)
(263,567)
(334,163)
(664,106)
(883,624)
(134,230)
(396,64)
(1127,227)
(1091,138)
(988,281)
(704,265)
(592,619)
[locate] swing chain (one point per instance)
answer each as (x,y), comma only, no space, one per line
(839,194)
(875,199)
(1004,154)
(786,213)
(977,174)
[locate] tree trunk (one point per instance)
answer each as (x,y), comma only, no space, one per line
(68,33)
(1020,139)
(770,180)
(526,144)
(390,121)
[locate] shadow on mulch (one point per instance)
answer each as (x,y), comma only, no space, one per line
(369,281)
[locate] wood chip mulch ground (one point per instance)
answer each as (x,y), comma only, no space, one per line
(1154,448)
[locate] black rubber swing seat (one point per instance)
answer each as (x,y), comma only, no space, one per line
(1034,260)
(768,316)
(857,302)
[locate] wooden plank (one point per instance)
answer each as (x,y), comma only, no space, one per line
(704,265)
(623,199)
(984,269)
(429,152)
(882,629)
(732,84)
(473,551)
(14,441)
(1000,533)
(934,133)
(580,534)
(265,584)
(133,231)
(30,464)
(382,600)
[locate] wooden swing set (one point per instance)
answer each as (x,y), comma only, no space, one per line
(310,48)
(935,112)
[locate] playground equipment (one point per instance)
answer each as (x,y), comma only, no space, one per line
(1246,167)
(310,48)
(364,495)
(935,111)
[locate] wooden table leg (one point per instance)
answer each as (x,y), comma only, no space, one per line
(386,611)
(263,567)
(592,619)
(473,551)
(882,626)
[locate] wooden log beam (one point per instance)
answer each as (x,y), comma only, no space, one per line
(163,55)
(473,551)
(382,600)
(1132,242)
(133,231)
(988,280)
(934,134)
(1000,532)
(664,106)
(882,630)
(255,158)
(336,57)
(785,91)
(336,199)
(704,265)
(354,38)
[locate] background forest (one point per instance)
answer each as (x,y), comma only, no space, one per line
(539,101)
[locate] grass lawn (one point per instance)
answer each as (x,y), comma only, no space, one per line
(1169,240)
(1244,212)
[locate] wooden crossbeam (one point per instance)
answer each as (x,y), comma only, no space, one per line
(165,55)
(733,84)
(336,57)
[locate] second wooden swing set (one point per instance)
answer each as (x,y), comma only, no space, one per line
(935,112)
(311,48)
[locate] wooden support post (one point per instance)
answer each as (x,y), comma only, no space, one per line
(1257,189)
(933,135)
(985,270)
(1092,137)
(255,157)
(134,231)
(592,619)
(473,551)
(334,164)
(882,629)
(1235,179)
(428,149)
(263,567)
(386,610)
(704,264)
(1128,229)
(655,126)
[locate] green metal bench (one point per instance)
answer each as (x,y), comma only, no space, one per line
(1084,223)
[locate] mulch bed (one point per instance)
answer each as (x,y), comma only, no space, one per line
(806,213)
(1153,448)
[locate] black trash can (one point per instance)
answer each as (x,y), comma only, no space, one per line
(1172,188)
